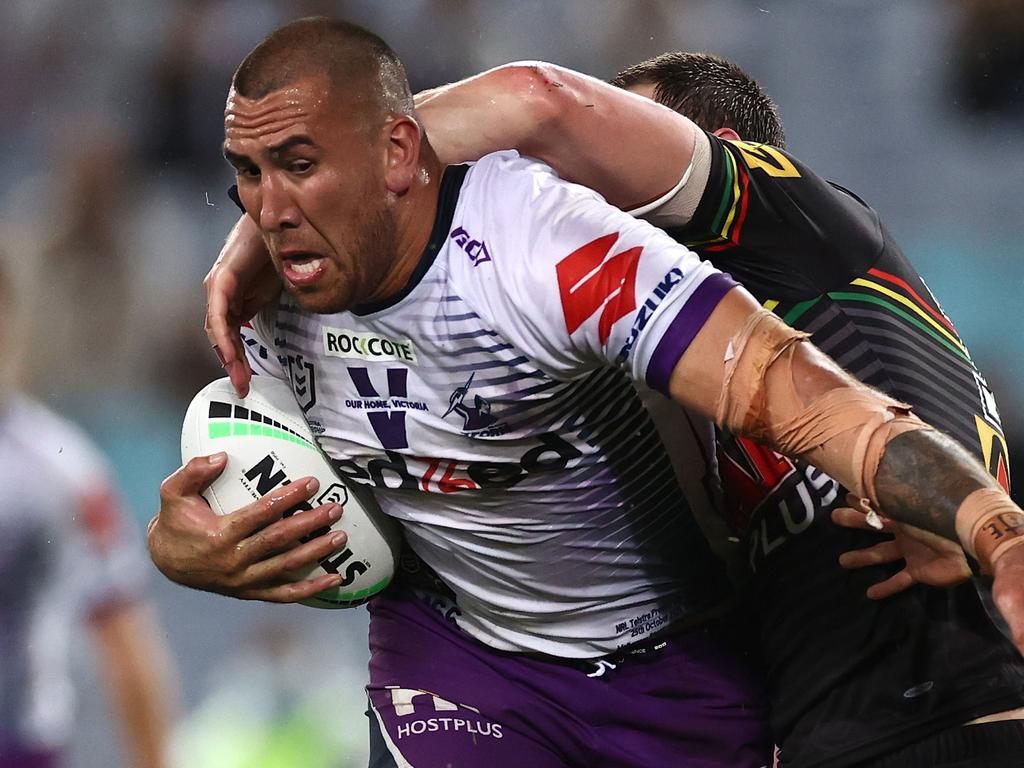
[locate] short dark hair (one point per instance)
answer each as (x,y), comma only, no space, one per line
(711,91)
(347,53)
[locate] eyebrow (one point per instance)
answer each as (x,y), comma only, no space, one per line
(278,149)
(294,141)
(234,158)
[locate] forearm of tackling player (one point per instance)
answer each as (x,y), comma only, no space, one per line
(798,401)
(630,149)
(758,377)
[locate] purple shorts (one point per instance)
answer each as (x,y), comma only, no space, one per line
(440,699)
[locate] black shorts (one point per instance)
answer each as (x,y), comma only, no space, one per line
(986,745)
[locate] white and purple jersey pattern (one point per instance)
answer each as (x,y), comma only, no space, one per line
(490,405)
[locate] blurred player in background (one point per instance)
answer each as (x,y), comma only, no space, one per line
(68,560)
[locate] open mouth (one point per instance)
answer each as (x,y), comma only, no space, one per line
(306,267)
(302,268)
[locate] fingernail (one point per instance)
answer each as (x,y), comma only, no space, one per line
(339,539)
(313,485)
(218,458)
(334,513)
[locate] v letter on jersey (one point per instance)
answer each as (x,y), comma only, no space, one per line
(587,280)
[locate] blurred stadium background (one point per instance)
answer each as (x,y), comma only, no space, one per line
(112,207)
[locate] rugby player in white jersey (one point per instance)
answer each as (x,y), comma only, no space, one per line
(68,561)
(576,629)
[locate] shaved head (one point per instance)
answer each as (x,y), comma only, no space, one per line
(360,66)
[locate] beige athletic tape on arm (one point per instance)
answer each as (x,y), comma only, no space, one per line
(988,524)
(843,432)
(761,340)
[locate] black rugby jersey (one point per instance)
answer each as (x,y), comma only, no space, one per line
(849,678)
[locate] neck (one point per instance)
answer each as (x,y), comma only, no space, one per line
(415,211)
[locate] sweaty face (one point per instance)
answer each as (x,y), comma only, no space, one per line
(310,174)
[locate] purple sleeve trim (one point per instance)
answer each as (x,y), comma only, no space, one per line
(681,331)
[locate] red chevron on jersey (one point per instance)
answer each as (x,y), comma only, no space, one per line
(586,282)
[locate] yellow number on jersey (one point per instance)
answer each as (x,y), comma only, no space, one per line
(768,159)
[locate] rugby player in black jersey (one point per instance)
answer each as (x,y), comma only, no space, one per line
(850,679)
(853,682)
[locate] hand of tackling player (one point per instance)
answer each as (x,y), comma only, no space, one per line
(240,283)
(252,553)
(929,558)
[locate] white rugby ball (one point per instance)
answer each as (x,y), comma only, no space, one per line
(269,444)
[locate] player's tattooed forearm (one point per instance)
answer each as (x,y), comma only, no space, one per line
(923,477)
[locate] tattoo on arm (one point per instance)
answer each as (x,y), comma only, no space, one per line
(922,479)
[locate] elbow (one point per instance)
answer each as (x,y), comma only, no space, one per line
(544,92)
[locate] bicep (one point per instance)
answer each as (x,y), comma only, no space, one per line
(783,391)
(630,149)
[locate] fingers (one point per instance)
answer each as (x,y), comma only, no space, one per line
(268,509)
(885,552)
(1008,592)
(223,333)
(239,284)
(287,532)
(891,586)
(220,331)
(286,566)
(275,578)
(220,285)
(240,374)
(313,551)
(192,478)
(222,325)
(1010,602)
(294,591)
(878,554)
(252,553)
(849,517)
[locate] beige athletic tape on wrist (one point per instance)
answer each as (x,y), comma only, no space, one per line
(988,524)
(844,431)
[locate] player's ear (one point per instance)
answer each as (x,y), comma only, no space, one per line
(402,153)
(728,134)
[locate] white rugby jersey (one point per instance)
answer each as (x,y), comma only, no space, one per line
(65,552)
(490,404)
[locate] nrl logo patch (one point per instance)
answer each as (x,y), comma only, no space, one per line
(303,377)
